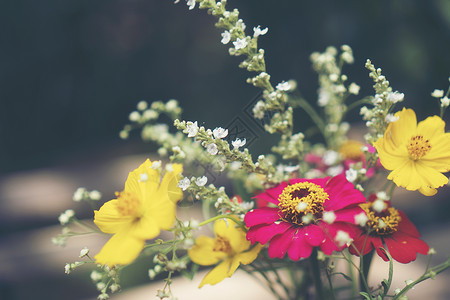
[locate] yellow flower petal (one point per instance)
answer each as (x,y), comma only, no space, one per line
(143,181)
(169,184)
(431,127)
(405,127)
(145,228)
(390,159)
(248,257)
(235,235)
(109,220)
(121,249)
(216,275)
(202,252)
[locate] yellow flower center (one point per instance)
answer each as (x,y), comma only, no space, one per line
(128,204)
(302,203)
(382,223)
(222,244)
(351,150)
(418,147)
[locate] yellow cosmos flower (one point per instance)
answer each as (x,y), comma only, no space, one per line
(141,210)
(229,247)
(417,154)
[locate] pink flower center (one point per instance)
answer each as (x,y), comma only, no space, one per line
(302,203)
(418,147)
(381,223)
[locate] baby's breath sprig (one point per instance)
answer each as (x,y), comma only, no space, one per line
(443,99)
(378,117)
(217,145)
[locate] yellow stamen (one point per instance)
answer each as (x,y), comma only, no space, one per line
(418,147)
(222,244)
(382,223)
(128,204)
(293,199)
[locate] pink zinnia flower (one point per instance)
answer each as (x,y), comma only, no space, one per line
(309,213)
(390,229)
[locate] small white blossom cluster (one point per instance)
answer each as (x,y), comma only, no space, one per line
(145,114)
(82,194)
(378,117)
(66,217)
(439,94)
(333,91)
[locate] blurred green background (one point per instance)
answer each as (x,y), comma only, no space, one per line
(72,70)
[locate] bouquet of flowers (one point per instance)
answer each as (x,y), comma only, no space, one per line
(295,212)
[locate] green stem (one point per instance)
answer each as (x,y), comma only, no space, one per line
(302,103)
(365,263)
(239,223)
(316,275)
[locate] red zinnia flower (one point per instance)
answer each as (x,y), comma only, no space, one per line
(309,213)
(388,228)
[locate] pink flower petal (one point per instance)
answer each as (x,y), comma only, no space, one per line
(263,215)
(280,243)
(266,197)
(330,245)
(299,248)
(342,195)
(407,226)
(363,243)
(404,248)
(313,234)
(348,214)
(276,191)
(263,233)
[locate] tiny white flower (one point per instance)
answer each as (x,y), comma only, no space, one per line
(150,114)
(201,181)
(101,286)
(395,97)
(329,217)
(212,149)
(184,183)
(437,94)
(191,4)
(79,194)
(67,268)
(284,86)
(134,116)
(343,238)
(397,291)
(102,296)
(382,195)
(332,127)
(240,43)
(409,281)
(226,37)
(353,88)
(361,219)
(431,251)
(381,224)
(158,268)
(445,101)
(84,252)
(191,129)
(302,206)
(95,276)
(391,118)
(143,177)
(330,157)
(65,217)
(156,164)
(258,31)
(238,143)
(171,105)
(220,133)
(351,175)
(114,287)
(247,205)
(95,195)
(169,168)
(379,205)
(142,105)
(333,77)
(306,219)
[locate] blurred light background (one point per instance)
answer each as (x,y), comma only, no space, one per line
(72,70)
